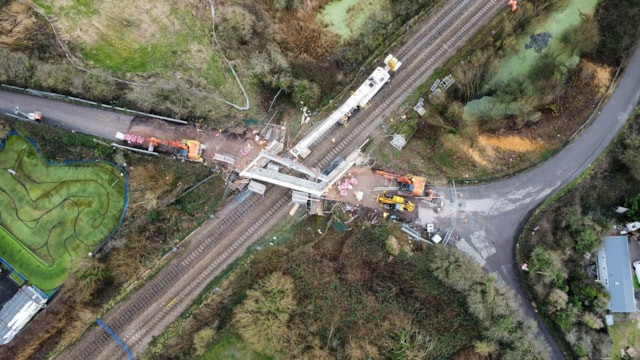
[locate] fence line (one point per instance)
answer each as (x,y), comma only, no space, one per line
(115,337)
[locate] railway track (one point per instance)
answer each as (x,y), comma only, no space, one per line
(218,242)
(213,247)
(418,62)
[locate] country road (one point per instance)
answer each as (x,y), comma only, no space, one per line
(489,216)
(84,119)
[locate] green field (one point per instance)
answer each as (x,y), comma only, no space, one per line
(52,215)
(140,36)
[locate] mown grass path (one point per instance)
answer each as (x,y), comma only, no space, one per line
(52,214)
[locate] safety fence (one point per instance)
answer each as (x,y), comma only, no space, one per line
(115,337)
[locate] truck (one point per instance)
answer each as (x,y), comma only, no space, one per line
(409,184)
(35,116)
(184,149)
(395,202)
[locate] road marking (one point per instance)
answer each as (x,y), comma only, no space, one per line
(622,116)
(466,248)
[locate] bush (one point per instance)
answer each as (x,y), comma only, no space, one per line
(263,316)
(633,203)
(557,300)
(592,320)
(565,318)
(202,339)
(587,241)
(618,28)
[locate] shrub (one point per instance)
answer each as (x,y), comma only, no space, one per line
(565,318)
(633,203)
(592,320)
(263,316)
(557,300)
(202,339)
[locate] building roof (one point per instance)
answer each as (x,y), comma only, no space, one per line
(17,312)
(7,287)
(614,272)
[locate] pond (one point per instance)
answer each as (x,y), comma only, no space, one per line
(347,17)
(539,39)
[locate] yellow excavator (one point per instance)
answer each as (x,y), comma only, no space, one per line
(395,202)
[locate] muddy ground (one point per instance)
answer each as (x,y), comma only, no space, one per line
(238,141)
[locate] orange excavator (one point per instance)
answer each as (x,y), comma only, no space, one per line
(184,149)
(409,184)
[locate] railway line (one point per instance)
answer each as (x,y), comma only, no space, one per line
(145,313)
(418,60)
(218,242)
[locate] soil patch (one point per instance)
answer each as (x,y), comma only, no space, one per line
(508,147)
(236,141)
(473,153)
(600,75)
(510,142)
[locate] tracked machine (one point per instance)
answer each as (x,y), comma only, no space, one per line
(395,202)
(184,149)
(409,184)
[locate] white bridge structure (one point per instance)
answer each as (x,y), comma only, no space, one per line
(359,99)
(268,166)
(309,180)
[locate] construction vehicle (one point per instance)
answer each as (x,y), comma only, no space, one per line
(395,202)
(410,184)
(184,149)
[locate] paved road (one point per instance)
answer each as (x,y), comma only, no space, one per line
(489,216)
(85,119)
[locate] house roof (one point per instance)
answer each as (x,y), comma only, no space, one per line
(614,271)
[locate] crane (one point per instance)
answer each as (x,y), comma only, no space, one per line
(184,149)
(410,184)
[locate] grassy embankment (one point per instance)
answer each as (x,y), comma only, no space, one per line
(155,222)
(169,47)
